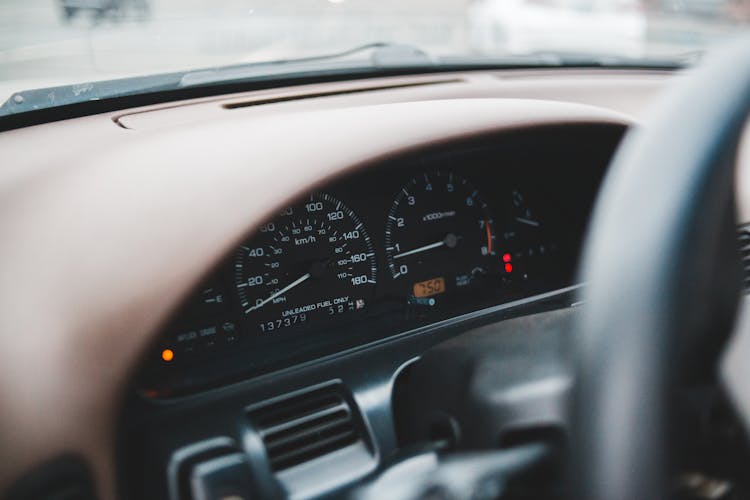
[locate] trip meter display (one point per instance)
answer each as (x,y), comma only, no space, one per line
(315,260)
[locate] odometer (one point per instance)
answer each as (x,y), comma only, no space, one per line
(314,261)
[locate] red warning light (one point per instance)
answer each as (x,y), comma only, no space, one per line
(506,257)
(508,267)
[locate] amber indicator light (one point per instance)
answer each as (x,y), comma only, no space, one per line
(429,287)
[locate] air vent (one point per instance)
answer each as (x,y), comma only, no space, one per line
(354,89)
(743,238)
(301,428)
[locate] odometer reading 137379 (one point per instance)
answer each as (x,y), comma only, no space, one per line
(315,260)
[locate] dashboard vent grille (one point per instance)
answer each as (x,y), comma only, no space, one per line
(356,89)
(743,238)
(300,428)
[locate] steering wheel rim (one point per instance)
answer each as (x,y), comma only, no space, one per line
(670,190)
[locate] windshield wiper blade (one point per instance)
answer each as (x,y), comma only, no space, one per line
(367,57)
(585,59)
(50,97)
(364,60)
(392,56)
(382,55)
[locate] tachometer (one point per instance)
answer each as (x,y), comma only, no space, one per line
(314,261)
(439,237)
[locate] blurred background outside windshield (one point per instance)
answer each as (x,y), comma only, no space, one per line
(54,42)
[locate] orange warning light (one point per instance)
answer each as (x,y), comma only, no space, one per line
(167,355)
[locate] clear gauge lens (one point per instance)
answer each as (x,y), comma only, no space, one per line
(440,237)
(312,262)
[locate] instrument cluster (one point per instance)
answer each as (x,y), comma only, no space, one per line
(404,244)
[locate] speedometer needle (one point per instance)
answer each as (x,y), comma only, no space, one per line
(449,241)
(291,285)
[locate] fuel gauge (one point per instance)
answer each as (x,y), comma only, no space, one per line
(524,243)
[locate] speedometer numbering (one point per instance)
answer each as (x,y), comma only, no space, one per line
(315,260)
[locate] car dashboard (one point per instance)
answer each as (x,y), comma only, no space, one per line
(329,236)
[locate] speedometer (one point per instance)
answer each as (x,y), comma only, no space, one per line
(315,260)
(440,237)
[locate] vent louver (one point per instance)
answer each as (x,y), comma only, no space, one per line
(300,428)
(743,238)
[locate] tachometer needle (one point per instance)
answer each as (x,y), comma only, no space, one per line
(291,285)
(449,241)
(528,222)
(437,244)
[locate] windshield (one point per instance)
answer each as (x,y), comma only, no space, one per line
(49,43)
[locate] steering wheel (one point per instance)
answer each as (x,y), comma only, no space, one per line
(663,278)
